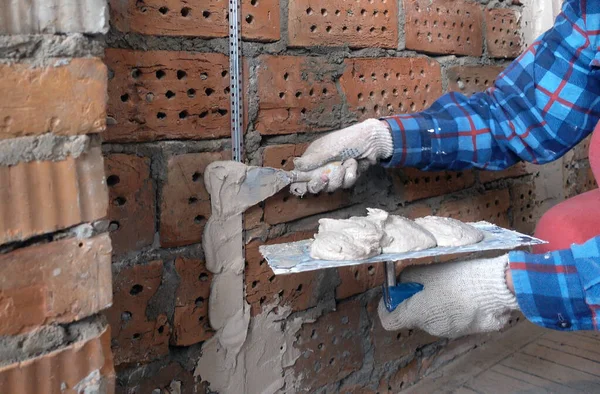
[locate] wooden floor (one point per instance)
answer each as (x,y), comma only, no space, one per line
(526,359)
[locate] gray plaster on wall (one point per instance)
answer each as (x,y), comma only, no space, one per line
(43,148)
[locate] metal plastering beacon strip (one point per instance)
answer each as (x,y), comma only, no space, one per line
(235,79)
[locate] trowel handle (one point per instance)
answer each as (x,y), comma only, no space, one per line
(393,294)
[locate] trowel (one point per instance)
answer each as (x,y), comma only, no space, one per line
(295,257)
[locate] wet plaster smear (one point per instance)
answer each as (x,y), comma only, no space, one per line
(243,356)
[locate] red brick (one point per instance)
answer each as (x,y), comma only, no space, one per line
(185,203)
(340,23)
(578,181)
(44,196)
(444,26)
(190,322)
(297,94)
(417,211)
(472,79)
(68,99)
(132,209)
(503,33)
(57,282)
(405,376)
(492,206)
(281,156)
(260,19)
(381,87)
(331,348)
(393,345)
(358,279)
(135,338)
(519,169)
(285,207)
(523,199)
(84,366)
(156,95)
(413,184)
(263,287)
(253,217)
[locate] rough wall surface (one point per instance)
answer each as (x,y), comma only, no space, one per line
(321,68)
(55,253)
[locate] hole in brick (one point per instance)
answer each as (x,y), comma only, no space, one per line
(271,278)
(209,91)
(254,283)
(137,336)
(136,73)
(124,97)
(324,91)
(126,316)
(249,18)
(149,97)
(313,334)
(320,346)
(337,12)
(344,28)
(328,29)
(363,12)
(160,74)
(281,95)
(161,115)
(183,114)
(371,270)
(203,277)
(358,28)
(161,329)
(80,244)
(323,11)
(199,302)
(222,111)
(191,93)
(196,177)
(170,94)
(163,10)
(199,219)
(383,29)
(192,200)
(372,29)
(313,28)
(262,300)
(200,319)
(298,94)
(119,201)
(309,11)
(181,74)
(203,114)
(185,11)
(332,361)
(136,289)
(206,14)
(281,294)
(303,111)
(299,288)
(113,180)
(204,76)
(345,320)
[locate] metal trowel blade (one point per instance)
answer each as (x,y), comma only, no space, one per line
(263,182)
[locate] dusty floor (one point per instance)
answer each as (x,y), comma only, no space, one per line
(526,359)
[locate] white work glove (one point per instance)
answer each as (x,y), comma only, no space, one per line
(355,148)
(459,298)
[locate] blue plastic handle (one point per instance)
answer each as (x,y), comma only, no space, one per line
(395,295)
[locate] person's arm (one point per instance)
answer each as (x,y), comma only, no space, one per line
(559,290)
(540,107)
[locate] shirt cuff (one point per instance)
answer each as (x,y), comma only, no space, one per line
(549,291)
(412,146)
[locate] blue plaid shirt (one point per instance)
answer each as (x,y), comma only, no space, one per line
(541,106)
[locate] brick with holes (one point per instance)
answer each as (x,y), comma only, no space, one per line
(358,279)
(381,87)
(471,79)
(413,184)
(135,337)
(444,26)
(56,282)
(518,170)
(284,207)
(298,94)
(207,19)
(190,320)
(523,206)
(263,287)
(132,208)
(393,345)
(491,206)
(503,33)
(68,98)
(339,23)
(158,95)
(331,348)
(185,204)
(578,179)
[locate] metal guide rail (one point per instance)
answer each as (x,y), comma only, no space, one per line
(235,80)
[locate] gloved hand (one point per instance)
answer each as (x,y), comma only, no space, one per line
(459,298)
(356,147)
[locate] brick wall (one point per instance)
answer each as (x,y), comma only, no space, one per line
(55,253)
(310,67)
